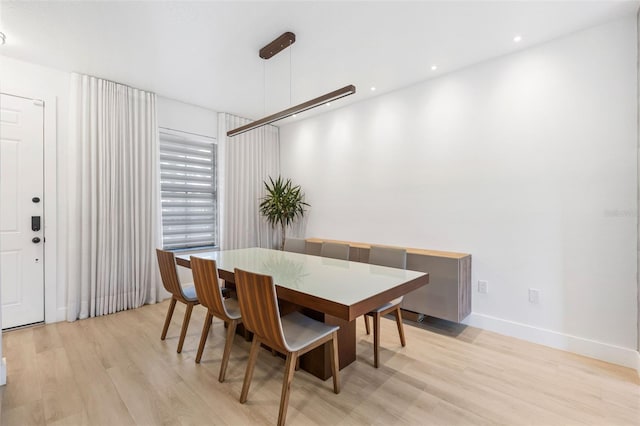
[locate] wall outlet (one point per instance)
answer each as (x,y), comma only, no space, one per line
(483,286)
(534,295)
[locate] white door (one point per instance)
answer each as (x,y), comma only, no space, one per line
(21,206)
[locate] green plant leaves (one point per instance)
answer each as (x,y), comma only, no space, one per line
(283,202)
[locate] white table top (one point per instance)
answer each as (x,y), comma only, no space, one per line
(339,281)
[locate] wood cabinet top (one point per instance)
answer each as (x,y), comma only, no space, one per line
(438,253)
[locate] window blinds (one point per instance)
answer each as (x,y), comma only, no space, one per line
(188,190)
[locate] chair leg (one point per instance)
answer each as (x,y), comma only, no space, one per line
(231,332)
(167,321)
(366,324)
(286,386)
(400,326)
(205,334)
(335,363)
(185,325)
(253,354)
(376,338)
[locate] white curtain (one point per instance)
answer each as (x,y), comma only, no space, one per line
(113,198)
(249,159)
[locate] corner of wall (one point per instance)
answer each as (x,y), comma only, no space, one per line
(638,180)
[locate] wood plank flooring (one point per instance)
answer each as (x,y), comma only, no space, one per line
(115,370)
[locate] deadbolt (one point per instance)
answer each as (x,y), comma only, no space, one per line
(36,240)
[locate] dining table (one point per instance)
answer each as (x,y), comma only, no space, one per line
(330,290)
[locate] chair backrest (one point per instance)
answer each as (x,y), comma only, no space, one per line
(170,280)
(259,307)
(335,251)
(295,245)
(205,278)
(388,256)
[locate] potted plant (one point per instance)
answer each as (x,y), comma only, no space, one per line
(283,203)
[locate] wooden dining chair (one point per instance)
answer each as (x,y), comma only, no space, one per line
(205,278)
(394,258)
(186,295)
(295,245)
(294,334)
(335,251)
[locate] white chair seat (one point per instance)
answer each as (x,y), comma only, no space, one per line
(300,330)
(189,292)
(232,308)
(388,305)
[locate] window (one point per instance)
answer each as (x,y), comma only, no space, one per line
(188,190)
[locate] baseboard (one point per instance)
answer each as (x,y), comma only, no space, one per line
(591,348)
(3,372)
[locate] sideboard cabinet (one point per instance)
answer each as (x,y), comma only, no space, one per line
(448,294)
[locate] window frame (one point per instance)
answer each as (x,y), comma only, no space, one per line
(174,136)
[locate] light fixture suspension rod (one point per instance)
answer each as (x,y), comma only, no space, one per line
(320,100)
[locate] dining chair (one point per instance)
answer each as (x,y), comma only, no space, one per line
(394,258)
(205,278)
(295,245)
(186,295)
(335,250)
(293,334)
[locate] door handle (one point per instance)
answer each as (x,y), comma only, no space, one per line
(36,240)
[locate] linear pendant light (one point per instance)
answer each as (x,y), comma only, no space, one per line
(320,100)
(270,50)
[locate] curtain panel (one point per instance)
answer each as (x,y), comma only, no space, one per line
(114,204)
(249,159)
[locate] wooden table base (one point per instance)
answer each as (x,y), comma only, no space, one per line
(318,361)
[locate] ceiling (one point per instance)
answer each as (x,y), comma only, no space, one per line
(206,53)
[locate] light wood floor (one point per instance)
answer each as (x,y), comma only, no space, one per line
(115,370)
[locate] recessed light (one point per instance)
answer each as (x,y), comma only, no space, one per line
(434,67)
(294,115)
(517,39)
(328,104)
(373,89)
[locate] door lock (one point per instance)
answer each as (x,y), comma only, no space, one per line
(35,223)
(36,240)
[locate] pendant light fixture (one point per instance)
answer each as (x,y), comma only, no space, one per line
(270,50)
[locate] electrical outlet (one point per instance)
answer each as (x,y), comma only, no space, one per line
(483,286)
(534,295)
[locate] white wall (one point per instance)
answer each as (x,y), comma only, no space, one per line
(30,80)
(638,244)
(177,115)
(528,162)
